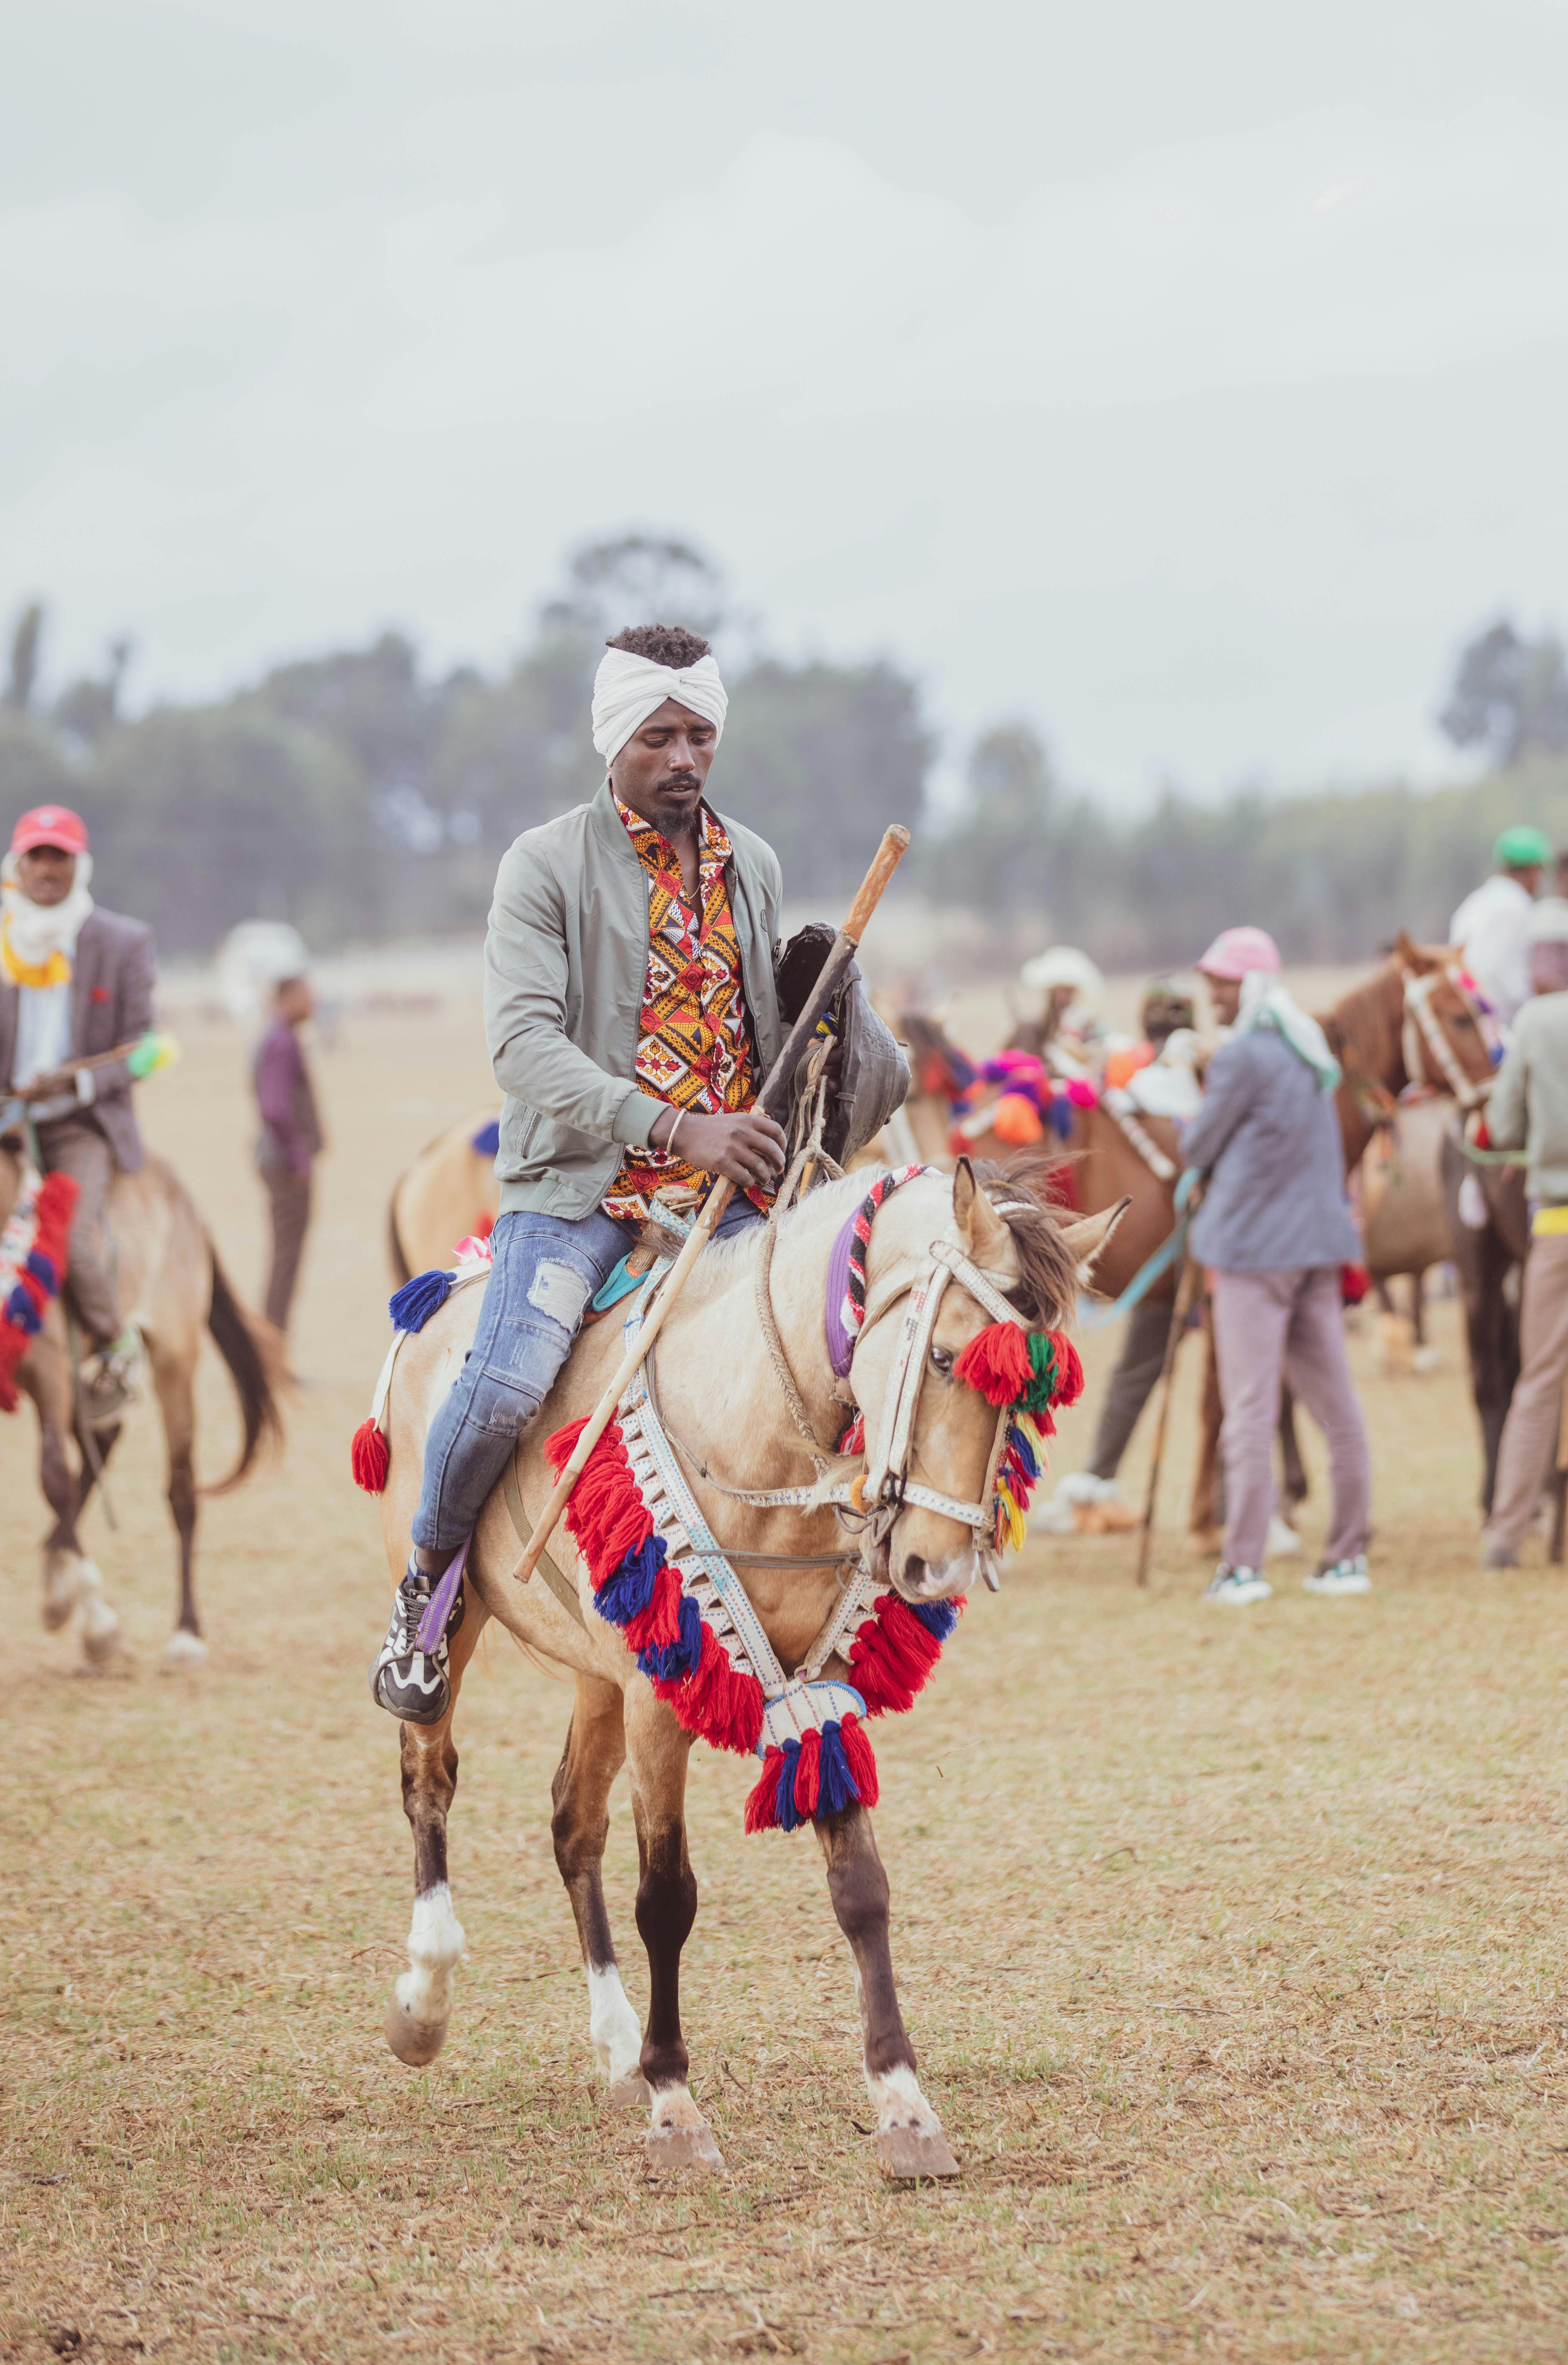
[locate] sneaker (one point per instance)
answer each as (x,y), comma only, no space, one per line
(1238,1586)
(111,1382)
(410,1684)
(1339,1576)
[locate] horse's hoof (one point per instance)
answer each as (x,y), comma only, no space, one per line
(905,2153)
(673,2149)
(185,1649)
(631,2093)
(415,2042)
(100,1634)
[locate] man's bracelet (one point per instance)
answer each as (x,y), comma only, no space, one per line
(675,1128)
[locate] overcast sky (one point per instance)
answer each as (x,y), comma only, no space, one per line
(1191,380)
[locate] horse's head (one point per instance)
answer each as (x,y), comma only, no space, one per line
(1448,1035)
(1017,1243)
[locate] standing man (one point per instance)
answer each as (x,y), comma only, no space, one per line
(1275,1228)
(633,1016)
(1491,927)
(1529,1111)
(75,981)
(291,1134)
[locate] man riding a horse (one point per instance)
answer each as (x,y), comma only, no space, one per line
(632,1010)
(75,981)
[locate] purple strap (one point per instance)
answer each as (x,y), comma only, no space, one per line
(840,1341)
(438,1609)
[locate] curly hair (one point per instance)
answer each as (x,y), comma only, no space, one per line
(665,644)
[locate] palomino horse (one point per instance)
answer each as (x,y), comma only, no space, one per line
(172,1284)
(717,1387)
(449,1191)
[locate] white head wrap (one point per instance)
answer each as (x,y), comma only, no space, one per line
(627,689)
(33,930)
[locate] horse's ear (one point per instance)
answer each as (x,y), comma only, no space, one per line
(982,1232)
(1086,1239)
(1417,958)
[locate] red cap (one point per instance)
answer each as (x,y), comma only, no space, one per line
(49,825)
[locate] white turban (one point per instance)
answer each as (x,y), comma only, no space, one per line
(627,689)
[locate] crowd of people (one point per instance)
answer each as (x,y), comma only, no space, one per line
(632,1004)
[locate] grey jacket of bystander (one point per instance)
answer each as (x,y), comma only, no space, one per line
(1529,1108)
(1268,1138)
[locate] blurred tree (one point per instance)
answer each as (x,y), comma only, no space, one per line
(22,678)
(639,578)
(1508,695)
(90,707)
(819,759)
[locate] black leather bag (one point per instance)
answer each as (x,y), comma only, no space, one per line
(873,1078)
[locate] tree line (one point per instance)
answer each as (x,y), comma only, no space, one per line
(364,798)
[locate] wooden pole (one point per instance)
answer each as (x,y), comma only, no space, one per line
(774,1098)
(1186,1289)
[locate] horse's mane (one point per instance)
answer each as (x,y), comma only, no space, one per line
(1048,1284)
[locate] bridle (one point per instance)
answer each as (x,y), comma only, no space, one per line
(1423,1027)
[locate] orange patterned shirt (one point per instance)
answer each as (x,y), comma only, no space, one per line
(693,1044)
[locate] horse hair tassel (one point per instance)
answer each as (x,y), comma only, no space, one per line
(371,1458)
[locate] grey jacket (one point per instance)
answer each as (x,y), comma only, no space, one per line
(565,962)
(111,1002)
(1269,1141)
(1529,1108)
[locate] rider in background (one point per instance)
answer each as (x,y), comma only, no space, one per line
(75,981)
(1275,1228)
(1529,1111)
(1068,1032)
(1491,927)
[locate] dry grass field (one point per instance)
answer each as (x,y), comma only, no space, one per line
(1231,1944)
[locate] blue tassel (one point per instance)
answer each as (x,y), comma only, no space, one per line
(412,1306)
(41,1267)
(632,1586)
(938,1618)
(1025,1451)
(790,1816)
(836,1788)
(488,1141)
(671,1661)
(1058,1116)
(20,1309)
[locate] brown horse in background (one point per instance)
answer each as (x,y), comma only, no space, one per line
(173,1288)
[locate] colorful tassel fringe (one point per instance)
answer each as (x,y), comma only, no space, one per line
(371,1458)
(33,1257)
(488,1141)
(821,1773)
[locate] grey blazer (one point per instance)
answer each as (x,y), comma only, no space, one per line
(566,961)
(111,1002)
(1269,1141)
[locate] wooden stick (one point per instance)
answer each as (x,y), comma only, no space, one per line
(775,1092)
(1186,1290)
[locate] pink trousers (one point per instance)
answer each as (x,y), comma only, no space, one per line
(1286,1324)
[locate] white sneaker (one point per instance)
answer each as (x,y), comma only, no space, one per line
(1238,1586)
(1339,1576)
(1283,1541)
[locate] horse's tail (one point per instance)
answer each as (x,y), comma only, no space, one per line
(401,1268)
(256,1366)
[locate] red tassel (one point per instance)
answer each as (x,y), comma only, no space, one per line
(808,1773)
(996,1362)
(862,1760)
(762,1806)
(370,1457)
(1070,1370)
(660,1622)
(607,1517)
(483,1226)
(718,1703)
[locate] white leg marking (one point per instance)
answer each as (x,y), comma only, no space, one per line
(899,2103)
(100,1624)
(617,2038)
(63,1583)
(185,1650)
(909,2142)
(435,1945)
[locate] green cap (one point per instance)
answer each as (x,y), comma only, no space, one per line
(1521,848)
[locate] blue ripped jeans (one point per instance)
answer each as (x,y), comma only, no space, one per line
(545,1270)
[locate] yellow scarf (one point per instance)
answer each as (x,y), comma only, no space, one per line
(53,970)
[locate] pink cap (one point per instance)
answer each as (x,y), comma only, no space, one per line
(49,825)
(1236,952)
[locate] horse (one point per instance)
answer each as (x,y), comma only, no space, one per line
(449,1191)
(718,1382)
(173,1286)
